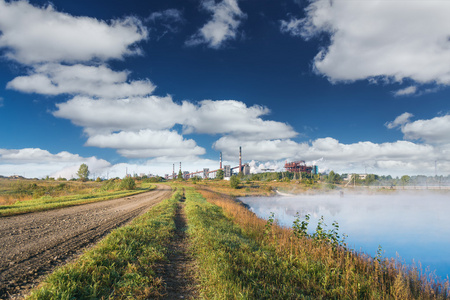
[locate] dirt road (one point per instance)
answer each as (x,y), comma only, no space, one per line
(32,245)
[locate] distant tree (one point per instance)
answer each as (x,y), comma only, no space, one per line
(331,177)
(219,174)
(83,172)
(180,175)
(405,179)
(234,181)
(371,178)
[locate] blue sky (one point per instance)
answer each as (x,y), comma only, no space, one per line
(352,86)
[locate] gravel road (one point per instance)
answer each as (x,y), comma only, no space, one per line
(32,245)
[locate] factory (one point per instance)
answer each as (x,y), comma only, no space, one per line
(244,169)
(300,167)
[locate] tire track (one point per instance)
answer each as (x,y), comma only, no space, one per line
(34,244)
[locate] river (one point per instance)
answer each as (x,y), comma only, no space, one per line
(413,225)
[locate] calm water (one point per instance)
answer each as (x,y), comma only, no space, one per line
(413,225)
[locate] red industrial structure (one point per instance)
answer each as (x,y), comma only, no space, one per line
(299,167)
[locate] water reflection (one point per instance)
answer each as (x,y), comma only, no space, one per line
(414,225)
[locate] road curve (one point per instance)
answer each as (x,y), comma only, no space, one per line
(32,245)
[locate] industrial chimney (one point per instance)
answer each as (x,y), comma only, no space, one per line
(220,167)
(240,159)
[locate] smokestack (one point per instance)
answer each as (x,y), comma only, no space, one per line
(173,172)
(220,160)
(240,159)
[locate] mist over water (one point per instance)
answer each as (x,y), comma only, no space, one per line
(414,224)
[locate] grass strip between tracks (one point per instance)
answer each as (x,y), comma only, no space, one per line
(49,203)
(230,264)
(121,266)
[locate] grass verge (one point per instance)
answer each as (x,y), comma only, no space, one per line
(48,202)
(122,265)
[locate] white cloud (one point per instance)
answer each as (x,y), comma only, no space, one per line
(399,121)
(235,118)
(2,101)
(380,39)
(434,131)
(161,166)
(102,115)
(134,125)
(166,21)
(262,150)
(96,81)
(330,154)
(35,162)
(33,35)
(223,26)
(410,90)
(293,26)
(168,15)
(39,163)
(147,143)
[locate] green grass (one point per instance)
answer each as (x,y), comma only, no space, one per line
(121,266)
(233,266)
(49,202)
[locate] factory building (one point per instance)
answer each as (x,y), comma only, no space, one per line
(227,171)
(301,167)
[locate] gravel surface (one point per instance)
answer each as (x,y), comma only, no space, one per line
(32,245)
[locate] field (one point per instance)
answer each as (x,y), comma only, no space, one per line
(24,196)
(234,254)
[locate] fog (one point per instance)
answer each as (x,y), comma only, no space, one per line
(413,224)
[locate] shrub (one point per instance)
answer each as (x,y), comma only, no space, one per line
(127,184)
(234,182)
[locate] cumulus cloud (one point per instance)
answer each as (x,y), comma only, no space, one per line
(227,16)
(35,162)
(96,81)
(2,101)
(67,54)
(236,119)
(434,131)
(262,150)
(399,121)
(379,39)
(60,37)
(131,114)
(147,143)
(130,125)
(397,158)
